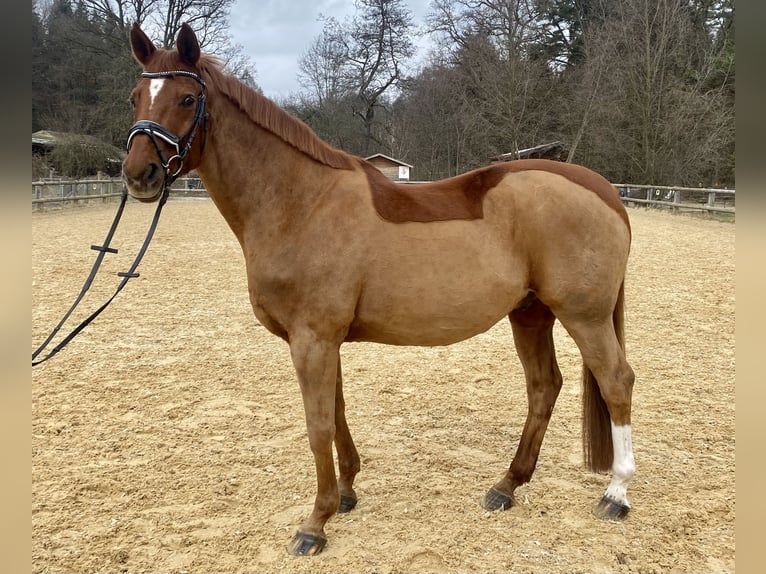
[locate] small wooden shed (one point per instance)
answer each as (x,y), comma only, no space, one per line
(393,169)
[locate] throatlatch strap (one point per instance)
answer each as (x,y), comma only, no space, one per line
(102,250)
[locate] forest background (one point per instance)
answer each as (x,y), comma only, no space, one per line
(639,90)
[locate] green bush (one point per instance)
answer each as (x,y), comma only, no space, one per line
(81,156)
(40,167)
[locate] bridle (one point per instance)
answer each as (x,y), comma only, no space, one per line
(155,130)
(181,145)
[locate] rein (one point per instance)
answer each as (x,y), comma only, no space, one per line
(126,276)
(153,130)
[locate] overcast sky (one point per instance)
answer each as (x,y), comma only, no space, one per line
(275,33)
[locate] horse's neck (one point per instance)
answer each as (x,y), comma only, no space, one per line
(256,180)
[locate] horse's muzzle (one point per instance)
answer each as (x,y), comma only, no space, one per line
(147,185)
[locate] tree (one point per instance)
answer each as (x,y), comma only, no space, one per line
(641,90)
(360,61)
(564,25)
(435,122)
(81,74)
(38,65)
(163,18)
(655,119)
(208,18)
(322,67)
(493,44)
(380,44)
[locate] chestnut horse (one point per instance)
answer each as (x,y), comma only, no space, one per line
(336,252)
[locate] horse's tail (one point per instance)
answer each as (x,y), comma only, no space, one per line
(596,423)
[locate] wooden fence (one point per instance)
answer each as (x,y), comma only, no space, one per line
(60,192)
(679,198)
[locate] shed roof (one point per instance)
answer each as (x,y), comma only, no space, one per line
(553,150)
(392,160)
(48,138)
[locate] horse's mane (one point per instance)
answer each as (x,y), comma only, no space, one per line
(270,116)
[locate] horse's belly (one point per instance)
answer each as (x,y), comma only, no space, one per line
(432,311)
(424,331)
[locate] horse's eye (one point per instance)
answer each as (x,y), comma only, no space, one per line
(132,100)
(188,101)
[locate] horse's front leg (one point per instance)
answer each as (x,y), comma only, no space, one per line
(316,364)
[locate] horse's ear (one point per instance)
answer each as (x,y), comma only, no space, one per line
(142,46)
(187,45)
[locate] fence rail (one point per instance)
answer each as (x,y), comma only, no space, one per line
(56,193)
(679,198)
(60,192)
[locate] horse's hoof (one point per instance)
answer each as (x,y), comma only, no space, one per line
(496,500)
(608,509)
(306,544)
(347,503)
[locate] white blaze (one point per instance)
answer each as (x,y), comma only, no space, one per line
(155,86)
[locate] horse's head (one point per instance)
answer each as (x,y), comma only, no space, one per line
(170,126)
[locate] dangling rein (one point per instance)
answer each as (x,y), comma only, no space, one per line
(126,276)
(153,131)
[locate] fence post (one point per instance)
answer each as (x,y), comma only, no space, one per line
(711,199)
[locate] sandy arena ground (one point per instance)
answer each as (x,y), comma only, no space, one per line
(169,436)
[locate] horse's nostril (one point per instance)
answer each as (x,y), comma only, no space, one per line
(152,172)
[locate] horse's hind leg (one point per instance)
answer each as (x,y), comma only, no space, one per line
(348,457)
(608,387)
(533,337)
